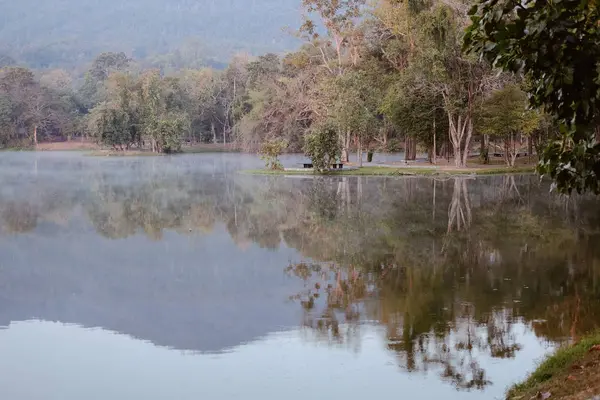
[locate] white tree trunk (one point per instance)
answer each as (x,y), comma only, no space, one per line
(359,153)
(467,147)
(434,152)
(461,132)
(345,141)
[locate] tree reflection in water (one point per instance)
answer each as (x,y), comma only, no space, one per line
(509,253)
(447,267)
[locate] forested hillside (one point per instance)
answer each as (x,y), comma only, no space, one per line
(65,33)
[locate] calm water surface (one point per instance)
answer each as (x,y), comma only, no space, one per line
(182,278)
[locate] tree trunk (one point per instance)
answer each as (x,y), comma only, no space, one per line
(214,132)
(467,147)
(385,137)
(35,141)
(410,148)
(510,150)
(433,154)
(345,140)
(515,151)
(460,132)
(359,155)
(529,147)
(485,149)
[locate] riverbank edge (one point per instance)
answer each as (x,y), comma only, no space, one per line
(400,171)
(568,372)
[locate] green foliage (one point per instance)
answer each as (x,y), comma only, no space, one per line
(383,75)
(415,110)
(114,127)
(557,45)
(27,106)
(505,113)
(146,108)
(322,146)
(105,64)
(270,152)
(170,130)
(354,103)
(116,121)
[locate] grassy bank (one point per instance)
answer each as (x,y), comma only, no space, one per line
(403,171)
(573,372)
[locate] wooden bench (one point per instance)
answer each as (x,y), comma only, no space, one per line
(333,166)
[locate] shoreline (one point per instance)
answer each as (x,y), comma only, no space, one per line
(572,372)
(400,171)
(93,147)
(386,170)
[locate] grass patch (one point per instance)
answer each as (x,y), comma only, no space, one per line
(407,171)
(551,375)
(21,148)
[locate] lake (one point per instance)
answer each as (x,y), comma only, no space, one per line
(183,278)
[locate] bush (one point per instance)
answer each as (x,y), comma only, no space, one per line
(270,152)
(323,147)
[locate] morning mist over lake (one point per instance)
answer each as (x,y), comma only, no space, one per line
(299,199)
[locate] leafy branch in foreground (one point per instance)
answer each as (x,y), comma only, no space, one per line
(557,46)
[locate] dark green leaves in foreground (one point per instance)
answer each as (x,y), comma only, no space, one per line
(557,46)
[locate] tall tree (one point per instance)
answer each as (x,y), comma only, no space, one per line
(339,49)
(460,80)
(116,121)
(505,115)
(102,67)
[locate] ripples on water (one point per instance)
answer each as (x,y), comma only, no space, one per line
(178,277)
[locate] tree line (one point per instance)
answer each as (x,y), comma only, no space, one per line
(385,77)
(388,78)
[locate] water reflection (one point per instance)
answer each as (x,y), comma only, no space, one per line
(510,253)
(69,362)
(450,272)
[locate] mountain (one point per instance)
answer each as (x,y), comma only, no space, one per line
(59,33)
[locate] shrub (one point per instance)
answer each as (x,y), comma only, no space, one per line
(270,152)
(323,147)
